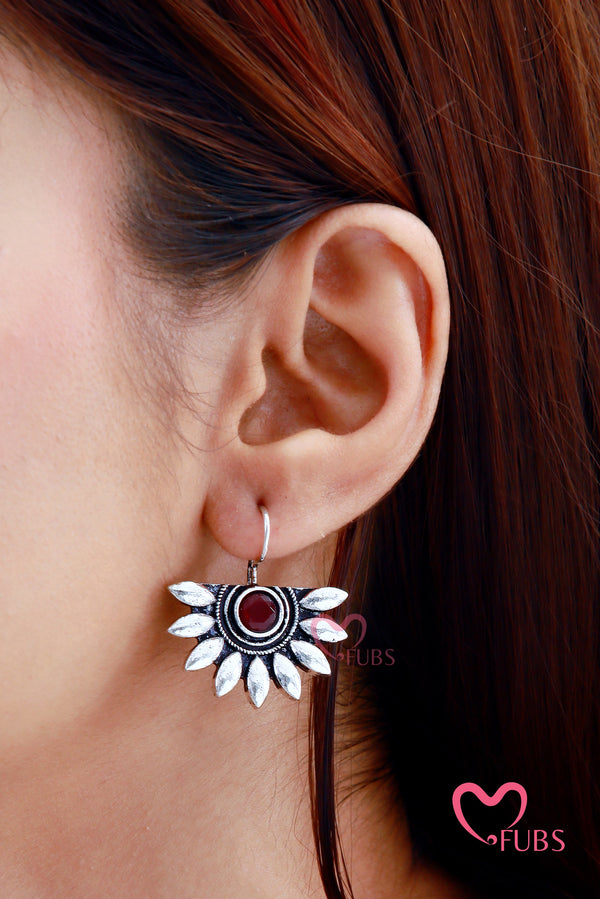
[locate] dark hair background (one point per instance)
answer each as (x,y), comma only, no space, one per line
(481,568)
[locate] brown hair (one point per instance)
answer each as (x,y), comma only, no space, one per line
(481,568)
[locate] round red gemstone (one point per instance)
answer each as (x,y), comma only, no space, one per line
(258,611)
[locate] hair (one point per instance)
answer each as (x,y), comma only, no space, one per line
(480,570)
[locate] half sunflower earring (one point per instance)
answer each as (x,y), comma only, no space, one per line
(258,633)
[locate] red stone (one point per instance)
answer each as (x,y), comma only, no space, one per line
(258,611)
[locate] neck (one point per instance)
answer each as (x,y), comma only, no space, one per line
(163,789)
(162,785)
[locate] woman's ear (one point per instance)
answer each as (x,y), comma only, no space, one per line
(336,379)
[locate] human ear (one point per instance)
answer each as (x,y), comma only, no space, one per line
(335,382)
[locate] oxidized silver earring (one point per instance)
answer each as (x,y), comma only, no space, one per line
(258,633)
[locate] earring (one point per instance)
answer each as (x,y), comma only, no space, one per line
(258,633)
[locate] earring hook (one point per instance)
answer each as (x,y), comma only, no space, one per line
(254,563)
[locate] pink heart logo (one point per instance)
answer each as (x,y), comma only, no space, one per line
(487,800)
(353,616)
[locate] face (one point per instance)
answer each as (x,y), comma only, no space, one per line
(91,480)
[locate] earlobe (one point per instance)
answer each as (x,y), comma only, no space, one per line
(351,359)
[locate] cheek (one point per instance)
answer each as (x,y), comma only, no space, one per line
(87,494)
(81,515)
(47,379)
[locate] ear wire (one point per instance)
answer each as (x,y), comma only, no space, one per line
(254,563)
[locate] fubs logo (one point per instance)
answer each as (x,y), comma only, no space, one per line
(353,655)
(537,840)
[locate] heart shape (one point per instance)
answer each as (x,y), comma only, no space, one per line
(487,800)
(354,616)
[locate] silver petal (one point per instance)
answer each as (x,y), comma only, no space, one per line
(193,625)
(311,656)
(287,675)
(323,598)
(229,673)
(204,653)
(258,681)
(192,594)
(323,629)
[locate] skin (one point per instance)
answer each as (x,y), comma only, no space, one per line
(119,767)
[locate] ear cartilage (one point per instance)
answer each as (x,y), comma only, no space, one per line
(256,633)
